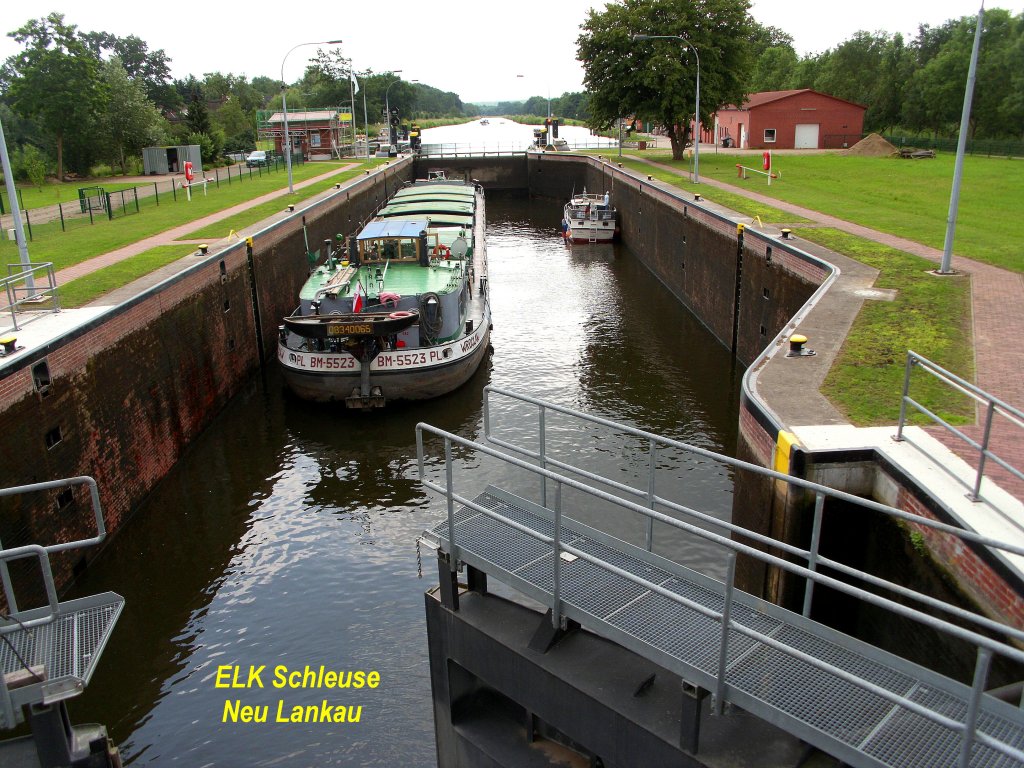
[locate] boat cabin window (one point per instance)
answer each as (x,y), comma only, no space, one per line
(388,249)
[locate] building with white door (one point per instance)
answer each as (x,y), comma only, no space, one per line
(799,119)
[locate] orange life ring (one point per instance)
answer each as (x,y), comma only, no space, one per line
(439,249)
(400,315)
(767,161)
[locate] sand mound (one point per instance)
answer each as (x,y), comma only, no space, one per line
(872,145)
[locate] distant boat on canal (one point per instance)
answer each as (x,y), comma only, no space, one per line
(589,218)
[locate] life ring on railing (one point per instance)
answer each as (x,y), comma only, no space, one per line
(439,249)
(400,315)
(392,298)
(766,160)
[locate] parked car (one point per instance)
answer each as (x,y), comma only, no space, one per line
(259,157)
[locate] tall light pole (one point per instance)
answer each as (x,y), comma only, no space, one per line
(19,230)
(284,107)
(945,265)
(387,108)
(696,140)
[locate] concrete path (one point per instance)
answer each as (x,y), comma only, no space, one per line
(997,299)
(171,236)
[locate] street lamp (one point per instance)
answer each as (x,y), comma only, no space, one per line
(696,140)
(284,108)
(392,139)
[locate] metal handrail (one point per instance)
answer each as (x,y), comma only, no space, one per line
(101,531)
(28,274)
(986,646)
(810,555)
(991,404)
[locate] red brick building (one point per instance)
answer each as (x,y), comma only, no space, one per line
(800,119)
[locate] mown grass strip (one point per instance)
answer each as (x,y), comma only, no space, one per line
(260,212)
(84,241)
(930,315)
(87,288)
(908,198)
(737,202)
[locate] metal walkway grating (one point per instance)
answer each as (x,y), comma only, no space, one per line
(846,719)
(65,651)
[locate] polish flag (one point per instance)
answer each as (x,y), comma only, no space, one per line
(357,302)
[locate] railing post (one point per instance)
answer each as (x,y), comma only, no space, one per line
(649,533)
(977,689)
(156,194)
(487,414)
(450,494)
(543,460)
(812,559)
(556,593)
(60,208)
(723,654)
(903,399)
(974,494)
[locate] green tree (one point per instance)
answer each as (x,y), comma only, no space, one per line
(197,119)
(656,79)
(54,80)
(131,120)
(150,68)
(774,70)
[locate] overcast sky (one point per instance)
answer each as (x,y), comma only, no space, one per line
(471,47)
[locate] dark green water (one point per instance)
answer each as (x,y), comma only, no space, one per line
(287,535)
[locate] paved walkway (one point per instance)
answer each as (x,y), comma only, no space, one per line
(171,236)
(997,299)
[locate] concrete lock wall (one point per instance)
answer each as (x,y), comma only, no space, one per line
(129,391)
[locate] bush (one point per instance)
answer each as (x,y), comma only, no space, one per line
(31,166)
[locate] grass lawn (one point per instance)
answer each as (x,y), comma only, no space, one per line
(260,212)
(930,315)
(736,202)
(84,241)
(92,286)
(55,192)
(909,198)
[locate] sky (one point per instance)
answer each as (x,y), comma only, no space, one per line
(469,47)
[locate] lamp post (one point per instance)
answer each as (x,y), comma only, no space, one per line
(392,139)
(284,108)
(696,140)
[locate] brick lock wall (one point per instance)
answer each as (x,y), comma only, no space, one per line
(134,389)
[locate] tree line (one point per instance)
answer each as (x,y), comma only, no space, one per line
(71,99)
(916,86)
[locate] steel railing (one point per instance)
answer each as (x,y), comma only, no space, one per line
(991,405)
(733,538)
(21,290)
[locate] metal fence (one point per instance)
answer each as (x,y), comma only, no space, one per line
(992,406)
(981,147)
(96,204)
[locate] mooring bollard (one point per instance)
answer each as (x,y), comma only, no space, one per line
(796,346)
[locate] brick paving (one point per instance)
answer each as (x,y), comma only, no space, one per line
(997,299)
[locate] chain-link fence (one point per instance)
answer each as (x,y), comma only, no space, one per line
(96,203)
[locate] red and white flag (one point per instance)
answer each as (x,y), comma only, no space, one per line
(357,302)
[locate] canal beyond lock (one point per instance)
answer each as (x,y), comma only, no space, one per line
(286,537)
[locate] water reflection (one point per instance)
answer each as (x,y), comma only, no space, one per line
(287,534)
